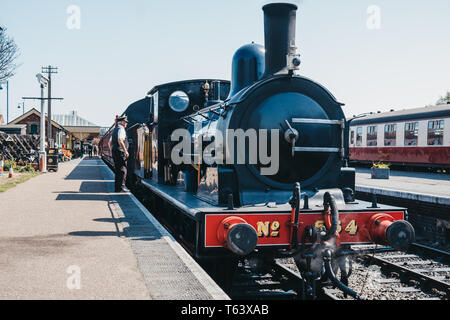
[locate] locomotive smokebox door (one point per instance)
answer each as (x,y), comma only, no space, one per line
(52,159)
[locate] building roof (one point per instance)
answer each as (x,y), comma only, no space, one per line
(406,114)
(72,120)
(15,126)
(83,129)
(34,111)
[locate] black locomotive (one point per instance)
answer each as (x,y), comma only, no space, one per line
(263,172)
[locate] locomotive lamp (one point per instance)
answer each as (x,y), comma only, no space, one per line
(206,88)
(293,58)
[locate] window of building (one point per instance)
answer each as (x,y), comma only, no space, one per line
(411,133)
(33,129)
(372,136)
(436,133)
(359,136)
(390,134)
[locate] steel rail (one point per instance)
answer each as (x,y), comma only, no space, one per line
(405,273)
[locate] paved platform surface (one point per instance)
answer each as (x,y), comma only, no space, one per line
(66,235)
(427,187)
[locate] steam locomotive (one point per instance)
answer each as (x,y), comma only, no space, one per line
(255,167)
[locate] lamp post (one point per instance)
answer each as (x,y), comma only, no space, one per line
(43,81)
(7,100)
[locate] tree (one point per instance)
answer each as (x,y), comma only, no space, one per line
(444,99)
(8,54)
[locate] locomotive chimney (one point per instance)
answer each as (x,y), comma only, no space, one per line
(279,35)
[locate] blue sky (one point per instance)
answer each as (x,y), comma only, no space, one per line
(123,49)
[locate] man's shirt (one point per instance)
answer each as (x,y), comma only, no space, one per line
(121,135)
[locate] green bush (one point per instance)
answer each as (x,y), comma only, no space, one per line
(8,164)
(27,168)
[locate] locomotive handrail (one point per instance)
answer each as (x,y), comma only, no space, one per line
(203,111)
(341,123)
(316,121)
(316,149)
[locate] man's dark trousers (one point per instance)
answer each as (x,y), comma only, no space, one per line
(120,168)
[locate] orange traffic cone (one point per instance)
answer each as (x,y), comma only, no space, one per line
(11,172)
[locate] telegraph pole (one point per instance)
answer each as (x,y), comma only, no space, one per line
(49,70)
(42,154)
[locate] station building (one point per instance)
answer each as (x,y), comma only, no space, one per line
(32,120)
(79,130)
(68,130)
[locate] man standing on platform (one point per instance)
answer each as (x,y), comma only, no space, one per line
(117,144)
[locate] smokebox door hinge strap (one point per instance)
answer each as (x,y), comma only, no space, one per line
(341,123)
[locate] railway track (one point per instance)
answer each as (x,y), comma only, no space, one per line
(421,273)
(379,273)
(275,280)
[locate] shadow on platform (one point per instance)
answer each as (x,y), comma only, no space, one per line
(94,233)
(82,197)
(87,169)
(134,222)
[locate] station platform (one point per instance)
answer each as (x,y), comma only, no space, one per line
(67,235)
(415,186)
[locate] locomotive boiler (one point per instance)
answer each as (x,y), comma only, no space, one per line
(256,167)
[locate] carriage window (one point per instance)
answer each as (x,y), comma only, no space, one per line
(411,133)
(359,136)
(436,133)
(390,134)
(371,136)
(352,137)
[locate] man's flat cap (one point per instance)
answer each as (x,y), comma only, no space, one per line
(124,118)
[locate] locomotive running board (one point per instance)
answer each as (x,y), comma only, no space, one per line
(175,197)
(196,207)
